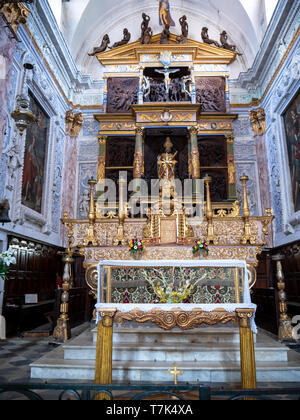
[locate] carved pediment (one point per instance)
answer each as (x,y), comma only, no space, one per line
(198,52)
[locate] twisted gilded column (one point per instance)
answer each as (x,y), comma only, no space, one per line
(285,331)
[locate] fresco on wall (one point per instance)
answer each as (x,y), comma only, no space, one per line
(35,159)
(292,129)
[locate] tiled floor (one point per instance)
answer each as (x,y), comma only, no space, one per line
(16,354)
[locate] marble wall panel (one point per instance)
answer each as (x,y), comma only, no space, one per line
(7,49)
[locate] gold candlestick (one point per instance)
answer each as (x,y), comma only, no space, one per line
(285,331)
(211,237)
(247,236)
(62,331)
(90,239)
(120,238)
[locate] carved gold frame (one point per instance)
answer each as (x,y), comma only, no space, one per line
(106,289)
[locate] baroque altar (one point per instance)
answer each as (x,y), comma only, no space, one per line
(166,114)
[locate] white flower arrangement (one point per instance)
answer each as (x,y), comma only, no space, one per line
(7,259)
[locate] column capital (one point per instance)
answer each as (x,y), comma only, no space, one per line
(244,316)
(230,138)
(73,123)
(139,131)
(15,13)
(258,121)
(107,316)
(102,139)
(194,130)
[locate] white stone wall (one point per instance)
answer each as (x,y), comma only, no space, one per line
(275,77)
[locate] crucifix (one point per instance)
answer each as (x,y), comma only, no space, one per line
(176,373)
(167,79)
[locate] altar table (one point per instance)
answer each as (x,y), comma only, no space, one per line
(185,316)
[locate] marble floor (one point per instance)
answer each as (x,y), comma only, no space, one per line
(17,353)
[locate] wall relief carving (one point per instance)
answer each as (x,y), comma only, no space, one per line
(122,93)
(210,92)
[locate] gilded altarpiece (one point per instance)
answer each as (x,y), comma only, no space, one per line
(200,127)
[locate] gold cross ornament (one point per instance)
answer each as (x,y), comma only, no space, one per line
(175,372)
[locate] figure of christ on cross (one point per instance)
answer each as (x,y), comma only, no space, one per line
(166,72)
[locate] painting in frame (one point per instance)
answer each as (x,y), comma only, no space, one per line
(35,158)
(291,119)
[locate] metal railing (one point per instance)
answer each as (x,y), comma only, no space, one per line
(139,392)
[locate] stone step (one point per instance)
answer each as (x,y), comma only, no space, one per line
(125,372)
(139,336)
(178,353)
(76,359)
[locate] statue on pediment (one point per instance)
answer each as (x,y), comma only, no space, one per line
(184,29)
(147,32)
(124,41)
(226,45)
(103,46)
(148,36)
(207,40)
(165,35)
